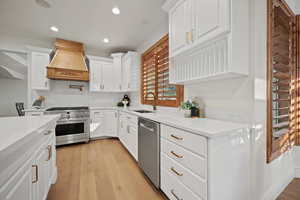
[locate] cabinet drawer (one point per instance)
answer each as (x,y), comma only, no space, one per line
(174,189)
(195,143)
(186,158)
(184,175)
(132,119)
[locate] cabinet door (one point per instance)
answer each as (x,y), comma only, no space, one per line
(209,19)
(110,123)
(122,129)
(108,80)
(39,62)
(50,163)
(95,76)
(180,23)
(97,125)
(117,71)
(126,82)
(40,187)
(19,187)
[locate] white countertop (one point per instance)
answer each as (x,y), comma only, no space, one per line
(210,128)
(14,129)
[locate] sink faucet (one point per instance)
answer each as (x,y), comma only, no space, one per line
(154,99)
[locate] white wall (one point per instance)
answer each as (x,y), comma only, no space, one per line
(268,179)
(12,91)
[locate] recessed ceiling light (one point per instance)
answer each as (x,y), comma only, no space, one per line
(116,11)
(106,40)
(54,28)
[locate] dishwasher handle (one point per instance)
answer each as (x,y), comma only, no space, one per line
(146,127)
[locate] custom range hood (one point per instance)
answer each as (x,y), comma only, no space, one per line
(69,62)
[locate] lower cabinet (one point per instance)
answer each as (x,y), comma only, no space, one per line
(183,164)
(128,133)
(31,177)
(104,123)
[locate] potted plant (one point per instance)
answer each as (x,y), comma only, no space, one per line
(186,107)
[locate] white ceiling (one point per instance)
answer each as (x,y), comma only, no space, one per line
(87,21)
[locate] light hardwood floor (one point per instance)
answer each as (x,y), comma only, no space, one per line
(100,170)
(292,192)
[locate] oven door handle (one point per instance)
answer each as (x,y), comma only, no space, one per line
(72,121)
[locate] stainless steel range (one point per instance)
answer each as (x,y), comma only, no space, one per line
(73,125)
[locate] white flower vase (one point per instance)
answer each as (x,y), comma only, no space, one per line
(187,113)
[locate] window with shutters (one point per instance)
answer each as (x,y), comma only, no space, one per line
(282,123)
(155,87)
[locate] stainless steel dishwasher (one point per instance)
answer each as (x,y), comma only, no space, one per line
(149,149)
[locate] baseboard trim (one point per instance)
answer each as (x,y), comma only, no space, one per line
(275,191)
(297,172)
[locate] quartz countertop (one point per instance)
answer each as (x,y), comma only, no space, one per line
(14,129)
(209,128)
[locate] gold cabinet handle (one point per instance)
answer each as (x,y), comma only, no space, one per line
(187,37)
(49,152)
(175,195)
(36,173)
(191,35)
(176,155)
(176,137)
(176,172)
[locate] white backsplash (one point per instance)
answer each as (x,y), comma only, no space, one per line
(61,95)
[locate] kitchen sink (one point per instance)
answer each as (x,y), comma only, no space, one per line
(143,111)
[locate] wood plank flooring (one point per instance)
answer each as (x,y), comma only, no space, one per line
(100,170)
(292,192)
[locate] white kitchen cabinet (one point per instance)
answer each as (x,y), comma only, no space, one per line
(130,74)
(101,75)
(95,76)
(180,24)
(118,73)
(38,68)
(108,81)
(30,169)
(19,186)
(104,123)
(206,38)
(128,133)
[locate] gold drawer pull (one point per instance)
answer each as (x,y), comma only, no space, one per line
(176,137)
(176,155)
(176,172)
(175,195)
(49,152)
(36,173)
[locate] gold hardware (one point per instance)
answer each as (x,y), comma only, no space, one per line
(191,36)
(173,193)
(36,174)
(176,172)
(187,37)
(49,152)
(175,154)
(176,137)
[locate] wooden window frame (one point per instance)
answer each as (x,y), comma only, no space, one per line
(276,147)
(179,88)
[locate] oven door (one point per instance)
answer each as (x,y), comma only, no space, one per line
(72,131)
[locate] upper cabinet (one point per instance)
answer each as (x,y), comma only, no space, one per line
(101,75)
(38,70)
(130,68)
(209,39)
(117,65)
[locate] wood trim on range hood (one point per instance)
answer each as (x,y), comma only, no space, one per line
(68,62)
